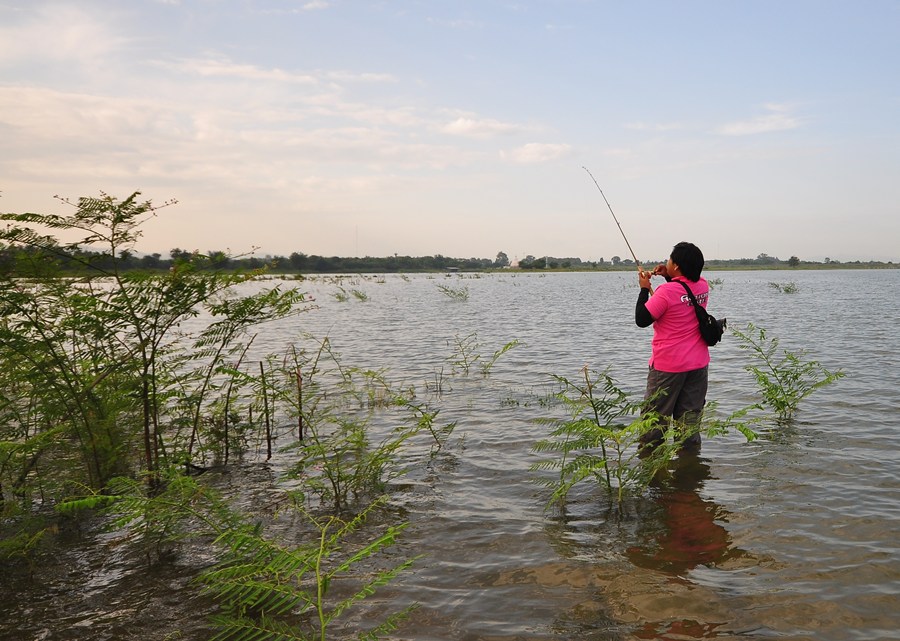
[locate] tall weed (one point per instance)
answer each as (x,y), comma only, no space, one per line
(784,378)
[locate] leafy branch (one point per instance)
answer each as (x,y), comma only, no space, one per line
(266,591)
(785,378)
(598,441)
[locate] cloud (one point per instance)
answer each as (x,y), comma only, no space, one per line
(211,68)
(45,115)
(535,152)
(778,119)
(365,76)
(216,67)
(74,37)
(66,138)
(479,127)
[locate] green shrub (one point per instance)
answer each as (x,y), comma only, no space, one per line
(785,378)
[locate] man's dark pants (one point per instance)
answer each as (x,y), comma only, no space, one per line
(681,396)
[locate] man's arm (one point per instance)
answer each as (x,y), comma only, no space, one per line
(642,317)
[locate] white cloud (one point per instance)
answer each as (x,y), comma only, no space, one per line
(211,67)
(221,67)
(778,119)
(66,137)
(45,115)
(479,127)
(535,152)
(58,33)
(366,76)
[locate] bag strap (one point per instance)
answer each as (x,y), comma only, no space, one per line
(698,309)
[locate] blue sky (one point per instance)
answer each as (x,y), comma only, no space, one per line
(463,128)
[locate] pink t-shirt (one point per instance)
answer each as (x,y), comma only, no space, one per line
(677,345)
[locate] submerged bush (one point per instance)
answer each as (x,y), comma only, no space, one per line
(600,439)
(98,367)
(265,589)
(785,378)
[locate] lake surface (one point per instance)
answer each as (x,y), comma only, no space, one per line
(792,536)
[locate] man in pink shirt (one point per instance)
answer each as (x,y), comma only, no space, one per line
(678,376)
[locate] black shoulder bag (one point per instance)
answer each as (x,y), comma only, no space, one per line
(711,329)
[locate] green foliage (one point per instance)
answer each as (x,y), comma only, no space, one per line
(99,365)
(460,293)
(740,421)
(338,460)
(22,454)
(25,540)
(488,365)
(785,378)
(104,369)
(266,590)
(176,508)
(424,420)
(466,354)
(347,451)
(785,288)
(598,441)
(269,591)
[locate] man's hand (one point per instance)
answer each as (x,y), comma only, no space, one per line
(644,279)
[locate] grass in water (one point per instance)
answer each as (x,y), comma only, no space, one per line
(460,293)
(785,288)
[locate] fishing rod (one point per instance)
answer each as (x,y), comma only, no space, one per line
(621,231)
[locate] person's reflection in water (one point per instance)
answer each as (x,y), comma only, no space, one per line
(686,533)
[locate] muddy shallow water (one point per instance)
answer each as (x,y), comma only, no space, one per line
(792,536)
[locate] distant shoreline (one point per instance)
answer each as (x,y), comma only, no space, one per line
(709,267)
(32,261)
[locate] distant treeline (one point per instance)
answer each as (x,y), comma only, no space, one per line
(27,260)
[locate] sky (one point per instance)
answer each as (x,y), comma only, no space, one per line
(466,127)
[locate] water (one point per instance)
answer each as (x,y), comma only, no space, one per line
(793,536)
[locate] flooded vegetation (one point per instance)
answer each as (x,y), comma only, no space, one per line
(197,455)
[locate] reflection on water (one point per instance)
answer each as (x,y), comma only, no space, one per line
(686,530)
(639,564)
(675,630)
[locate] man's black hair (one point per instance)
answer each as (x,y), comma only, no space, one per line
(689,259)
